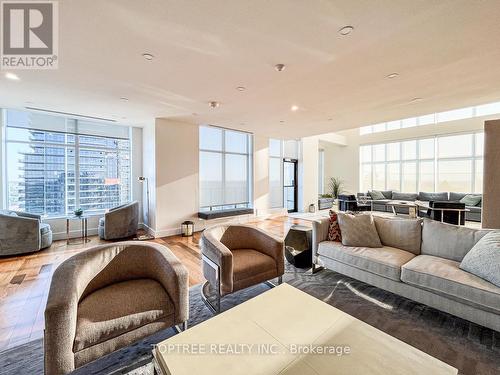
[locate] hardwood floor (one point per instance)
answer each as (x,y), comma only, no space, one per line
(25,280)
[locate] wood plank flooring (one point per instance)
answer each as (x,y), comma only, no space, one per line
(25,280)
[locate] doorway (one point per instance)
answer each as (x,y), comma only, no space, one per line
(290,174)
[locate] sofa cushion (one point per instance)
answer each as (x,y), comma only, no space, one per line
(455,197)
(448,241)
(471,199)
(404,196)
(44,228)
(358,230)
(423,196)
(385,261)
(404,234)
(119,308)
(251,267)
(376,195)
(484,258)
(444,277)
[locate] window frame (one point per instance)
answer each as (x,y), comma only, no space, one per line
(223,152)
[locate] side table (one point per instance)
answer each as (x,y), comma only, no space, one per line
(83,229)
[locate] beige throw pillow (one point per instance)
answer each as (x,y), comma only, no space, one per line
(358,230)
(404,234)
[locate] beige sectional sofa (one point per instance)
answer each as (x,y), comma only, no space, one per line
(427,271)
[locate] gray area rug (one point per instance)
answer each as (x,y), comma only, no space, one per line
(467,346)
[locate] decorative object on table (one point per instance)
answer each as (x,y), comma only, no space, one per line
(78,212)
(21,232)
(108,297)
(298,246)
(83,238)
(336,187)
(120,222)
(312,208)
(187,228)
(235,257)
(334,233)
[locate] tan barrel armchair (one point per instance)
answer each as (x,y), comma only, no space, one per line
(108,297)
(235,257)
(120,222)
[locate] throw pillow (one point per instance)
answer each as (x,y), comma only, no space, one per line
(376,195)
(334,233)
(358,230)
(483,260)
(471,200)
(404,234)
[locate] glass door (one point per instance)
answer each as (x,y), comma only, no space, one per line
(290,184)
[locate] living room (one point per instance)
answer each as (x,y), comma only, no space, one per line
(249,187)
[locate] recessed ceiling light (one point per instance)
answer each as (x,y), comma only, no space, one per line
(12,76)
(415,100)
(241,88)
(279,67)
(194,114)
(346,30)
(330,119)
(392,75)
(282,121)
(148,56)
(294,108)
(123,99)
(214,104)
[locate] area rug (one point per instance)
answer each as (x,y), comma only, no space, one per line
(473,349)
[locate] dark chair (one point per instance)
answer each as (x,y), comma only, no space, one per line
(450,217)
(348,202)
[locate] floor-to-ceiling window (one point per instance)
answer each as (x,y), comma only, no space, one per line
(443,163)
(225,169)
(55,165)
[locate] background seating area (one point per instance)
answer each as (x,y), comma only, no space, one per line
(380,199)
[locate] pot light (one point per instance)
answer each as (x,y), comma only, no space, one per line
(282,121)
(214,104)
(392,75)
(279,67)
(12,76)
(415,100)
(330,119)
(123,99)
(241,88)
(148,56)
(294,108)
(346,30)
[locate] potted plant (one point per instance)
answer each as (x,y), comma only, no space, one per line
(78,212)
(336,187)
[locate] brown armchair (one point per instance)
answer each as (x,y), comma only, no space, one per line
(108,297)
(235,257)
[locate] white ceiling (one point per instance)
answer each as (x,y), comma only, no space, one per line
(446,52)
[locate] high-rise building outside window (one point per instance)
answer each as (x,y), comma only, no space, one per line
(55,165)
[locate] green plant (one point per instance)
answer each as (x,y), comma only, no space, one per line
(326,196)
(78,212)
(336,186)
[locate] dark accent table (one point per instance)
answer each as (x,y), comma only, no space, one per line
(298,246)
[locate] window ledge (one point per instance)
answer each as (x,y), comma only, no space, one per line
(208,215)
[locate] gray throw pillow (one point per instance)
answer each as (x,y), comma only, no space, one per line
(358,230)
(404,234)
(483,260)
(471,200)
(376,195)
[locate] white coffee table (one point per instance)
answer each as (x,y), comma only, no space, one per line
(284,320)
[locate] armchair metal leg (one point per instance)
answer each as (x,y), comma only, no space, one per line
(206,286)
(182,327)
(280,279)
(316,268)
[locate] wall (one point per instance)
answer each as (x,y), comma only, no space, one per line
(343,161)
(308,173)
(261,174)
(491,185)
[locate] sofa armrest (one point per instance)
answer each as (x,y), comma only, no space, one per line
(60,321)
(219,254)
(28,215)
(319,234)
